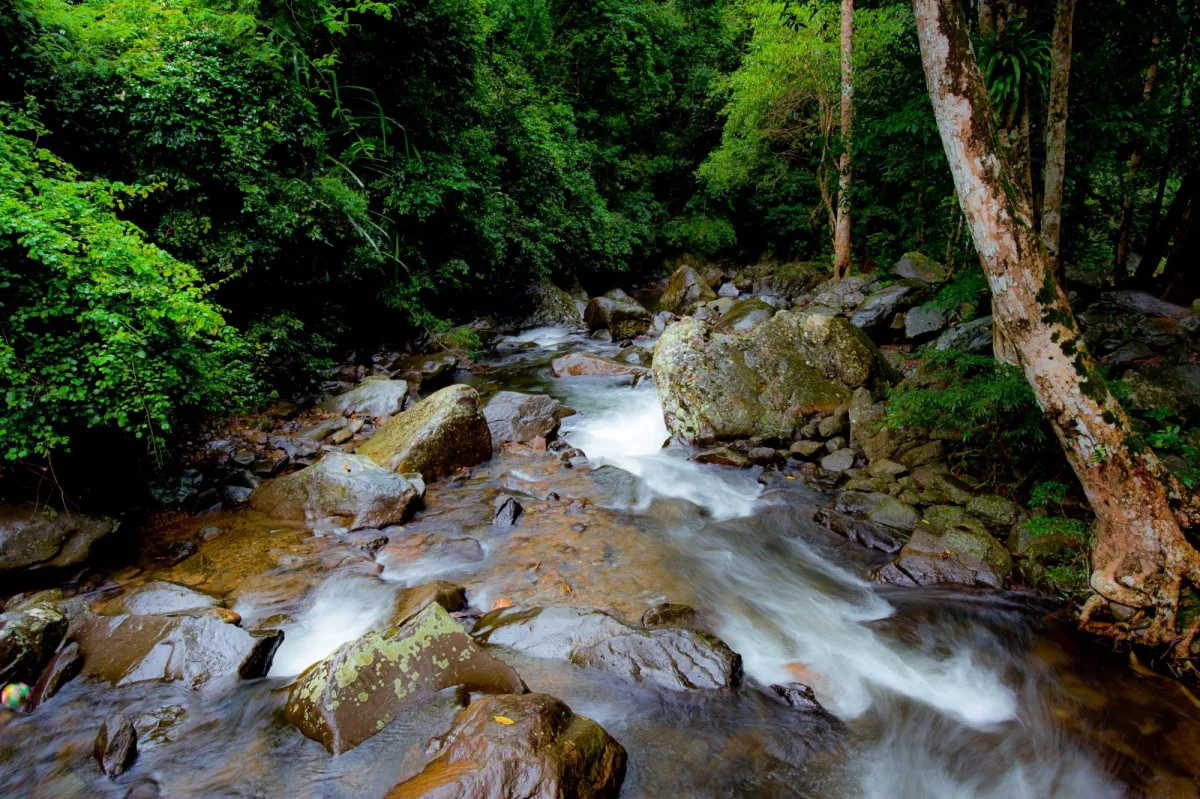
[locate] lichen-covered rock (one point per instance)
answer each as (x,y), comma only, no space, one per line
(512,416)
(974,337)
(922,323)
(915,265)
(960,557)
(442,433)
(543,304)
(28,639)
(412,601)
(195,650)
(354,693)
(33,538)
(997,513)
(685,287)
(745,315)
(623,318)
(352,488)
(373,397)
(1175,387)
(876,313)
(541,750)
(879,508)
(579,364)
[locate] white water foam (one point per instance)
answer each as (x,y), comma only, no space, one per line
(542,336)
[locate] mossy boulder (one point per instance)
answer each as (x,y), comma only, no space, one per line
(914,265)
(744,315)
(442,433)
(366,684)
(351,488)
(766,381)
(685,288)
(623,317)
(787,280)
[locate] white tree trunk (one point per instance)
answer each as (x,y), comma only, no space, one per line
(841,245)
(1140,555)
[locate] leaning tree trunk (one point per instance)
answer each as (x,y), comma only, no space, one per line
(1056,131)
(1141,556)
(841,246)
(1135,166)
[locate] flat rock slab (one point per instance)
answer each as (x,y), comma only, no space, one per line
(362,687)
(160,598)
(513,416)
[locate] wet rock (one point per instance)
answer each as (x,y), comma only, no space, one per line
(722,456)
(115,746)
(861,531)
(505,511)
(354,693)
(232,496)
(159,597)
(512,416)
(764,456)
(349,487)
(373,397)
(412,601)
(876,313)
(546,632)
(685,287)
(745,315)
(195,650)
(542,749)
(974,337)
(144,789)
(879,508)
(929,559)
(922,323)
(623,318)
(61,669)
(439,435)
(997,513)
(797,696)
(728,290)
(671,614)
(28,639)
(35,539)
(915,265)
(426,372)
(322,430)
(839,461)
(579,364)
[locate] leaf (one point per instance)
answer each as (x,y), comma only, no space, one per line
(503,720)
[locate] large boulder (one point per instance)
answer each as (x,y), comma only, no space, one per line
(1175,387)
(685,288)
(624,318)
(787,280)
(34,539)
(543,304)
(512,416)
(949,546)
(877,312)
(28,639)
(766,381)
(366,684)
(373,397)
(532,745)
(1139,302)
(579,364)
(196,650)
(350,488)
(676,659)
(442,433)
(744,315)
(914,265)
(974,337)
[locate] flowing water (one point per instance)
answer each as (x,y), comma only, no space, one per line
(936,693)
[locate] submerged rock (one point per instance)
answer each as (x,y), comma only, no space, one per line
(579,364)
(505,511)
(412,601)
(512,416)
(28,639)
(115,746)
(350,487)
(442,433)
(35,539)
(61,669)
(623,318)
(354,693)
(504,747)
(685,288)
(195,650)
(373,397)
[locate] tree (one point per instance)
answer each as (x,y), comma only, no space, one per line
(841,247)
(1056,129)
(1135,164)
(1141,558)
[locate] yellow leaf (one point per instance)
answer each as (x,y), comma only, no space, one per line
(504,719)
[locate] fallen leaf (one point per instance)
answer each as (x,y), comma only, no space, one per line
(566,589)
(504,719)
(502,602)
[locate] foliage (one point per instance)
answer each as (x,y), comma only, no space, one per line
(1048,492)
(100,328)
(1011,59)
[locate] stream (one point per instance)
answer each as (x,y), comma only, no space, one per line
(933,692)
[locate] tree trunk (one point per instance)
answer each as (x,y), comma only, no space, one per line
(1135,165)
(1141,556)
(841,245)
(1157,245)
(1175,129)
(1056,130)
(1182,271)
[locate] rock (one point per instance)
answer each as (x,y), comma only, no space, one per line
(232,496)
(861,531)
(115,746)
(61,669)
(683,289)
(144,789)
(960,532)
(322,430)
(28,639)
(159,597)
(366,684)
(997,513)
(722,456)
(915,265)
(34,539)
(1175,387)
(505,511)
(834,424)
(670,614)
(941,487)
(931,452)
(879,508)
(834,444)
(805,449)
(579,364)
(624,318)
(426,372)
(635,356)
(672,658)
(839,461)
(721,305)
(412,601)
(764,382)
(1139,302)
(974,337)
(882,467)
(764,456)
(875,314)
(512,416)
(728,290)
(1126,353)
(373,397)
(1047,548)
(349,487)
(929,559)
(788,280)
(797,696)
(745,315)
(921,323)
(541,750)
(196,650)
(439,435)
(544,304)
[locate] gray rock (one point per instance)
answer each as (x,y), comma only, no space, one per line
(160,597)
(685,288)
(35,539)
(373,397)
(882,467)
(879,508)
(728,290)
(1131,351)
(839,461)
(861,531)
(921,323)
(322,430)
(426,372)
(805,449)
(835,424)
(974,337)
(115,746)
(997,513)
(623,318)
(512,416)
(745,315)
(1175,387)
(441,434)
(916,265)
(721,305)
(834,444)
(764,456)
(505,511)
(876,313)
(1140,302)
(931,452)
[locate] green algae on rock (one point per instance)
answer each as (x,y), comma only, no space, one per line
(442,433)
(685,287)
(354,693)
